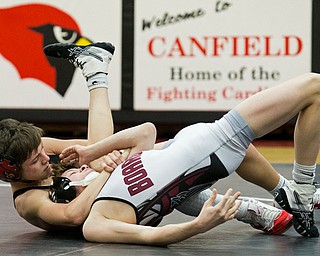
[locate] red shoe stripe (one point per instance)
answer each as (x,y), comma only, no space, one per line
(282,224)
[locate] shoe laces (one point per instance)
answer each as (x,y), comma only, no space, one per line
(265,215)
(74,55)
(78,63)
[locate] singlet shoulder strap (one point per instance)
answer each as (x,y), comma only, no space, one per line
(53,159)
(23,190)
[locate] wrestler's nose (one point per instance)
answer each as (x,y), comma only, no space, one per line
(84,167)
(45,158)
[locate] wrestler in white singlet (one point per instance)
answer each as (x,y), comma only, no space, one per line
(155,182)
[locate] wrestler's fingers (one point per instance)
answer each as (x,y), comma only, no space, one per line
(67,151)
(232,200)
(107,168)
(226,197)
(117,157)
(229,203)
(107,160)
(213,197)
(232,212)
(126,153)
(235,197)
(69,158)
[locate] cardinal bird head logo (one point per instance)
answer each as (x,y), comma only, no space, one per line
(26,29)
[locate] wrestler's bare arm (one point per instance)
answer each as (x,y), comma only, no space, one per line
(36,207)
(53,146)
(99,227)
(137,138)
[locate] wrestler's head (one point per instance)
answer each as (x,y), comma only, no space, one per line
(79,177)
(22,157)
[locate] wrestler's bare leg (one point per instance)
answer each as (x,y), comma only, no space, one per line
(272,108)
(100,121)
(256,169)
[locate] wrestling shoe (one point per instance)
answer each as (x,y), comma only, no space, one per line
(91,59)
(316,197)
(267,218)
(297,199)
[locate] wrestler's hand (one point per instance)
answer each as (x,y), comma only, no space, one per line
(97,164)
(114,159)
(110,162)
(74,153)
(212,216)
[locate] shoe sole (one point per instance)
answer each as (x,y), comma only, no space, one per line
(53,50)
(282,224)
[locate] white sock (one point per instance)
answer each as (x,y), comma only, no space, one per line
(242,210)
(193,205)
(98,80)
(282,182)
(303,174)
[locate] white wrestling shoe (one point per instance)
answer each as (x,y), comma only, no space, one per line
(267,218)
(316,198)
(91,59)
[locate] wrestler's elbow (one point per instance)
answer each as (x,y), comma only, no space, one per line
(75,218)
(78,221)
(150,130)
(148,136)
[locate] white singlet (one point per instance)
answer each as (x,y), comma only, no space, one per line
(154,182)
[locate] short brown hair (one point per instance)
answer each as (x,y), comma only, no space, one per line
(18,139)
(59,168)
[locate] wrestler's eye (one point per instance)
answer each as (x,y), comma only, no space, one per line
(36,159)
(69,174)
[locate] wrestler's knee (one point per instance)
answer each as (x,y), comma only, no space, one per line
(312,81)
(309,89)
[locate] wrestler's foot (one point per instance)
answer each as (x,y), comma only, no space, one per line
(91,59)
(267,218)
(297,199)
(316,197)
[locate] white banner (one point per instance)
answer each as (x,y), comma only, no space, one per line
(209,55)
(27,80)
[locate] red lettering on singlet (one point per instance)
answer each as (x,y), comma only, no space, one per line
(140,186)
(135,176)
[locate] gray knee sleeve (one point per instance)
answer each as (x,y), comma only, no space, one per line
(193,205)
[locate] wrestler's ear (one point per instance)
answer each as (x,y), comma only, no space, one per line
(9,171)
(61,191)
